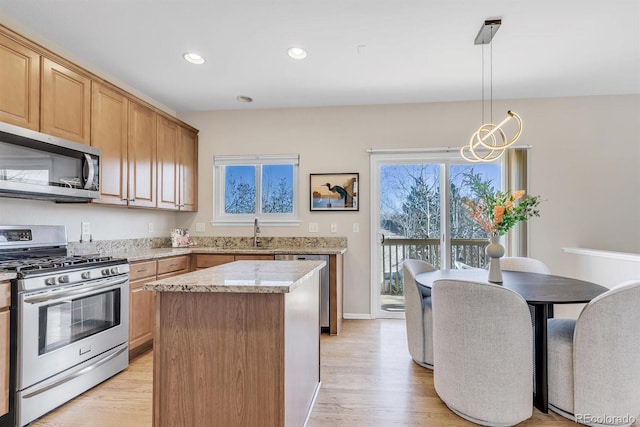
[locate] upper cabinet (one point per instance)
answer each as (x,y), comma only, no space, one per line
(177,167)
(167,147)
(110,115)
(125,133)
(66,102)
(147,158)
(142,155)
(188,170)
(19,84)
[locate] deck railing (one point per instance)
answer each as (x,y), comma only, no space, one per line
(469,252)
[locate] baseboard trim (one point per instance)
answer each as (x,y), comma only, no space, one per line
(357,316)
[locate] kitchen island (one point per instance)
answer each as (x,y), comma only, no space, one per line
(237,345)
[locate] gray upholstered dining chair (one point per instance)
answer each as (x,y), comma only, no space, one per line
(530,265)
(482,352)
(417,313)
(593,362)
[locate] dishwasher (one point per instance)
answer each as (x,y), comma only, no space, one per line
(324,284)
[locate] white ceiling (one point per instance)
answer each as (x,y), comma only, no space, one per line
(360,51)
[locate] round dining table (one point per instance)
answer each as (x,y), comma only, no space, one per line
(541,291)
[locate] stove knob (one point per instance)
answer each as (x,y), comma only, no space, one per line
(115,270)
(105,272)
(86,275)
(63,279)
(50,281)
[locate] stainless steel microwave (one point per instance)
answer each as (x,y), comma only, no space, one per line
(34,165)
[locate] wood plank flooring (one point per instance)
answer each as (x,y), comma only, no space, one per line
(368,379)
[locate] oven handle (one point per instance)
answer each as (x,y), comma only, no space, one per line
(37,299)
(76,374)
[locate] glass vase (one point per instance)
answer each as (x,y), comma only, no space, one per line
(494,251)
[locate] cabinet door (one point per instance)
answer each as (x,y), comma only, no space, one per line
(254,257)
(188,160)
(109,134)
(206,261)
(167,141)
(66,99)
(19,85)
(173,265)
(141,317)
(142,156)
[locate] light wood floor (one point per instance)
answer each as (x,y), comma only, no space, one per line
(368,379)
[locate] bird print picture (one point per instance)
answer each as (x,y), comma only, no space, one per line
(331,192)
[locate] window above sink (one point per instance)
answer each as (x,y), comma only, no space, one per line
(256,186)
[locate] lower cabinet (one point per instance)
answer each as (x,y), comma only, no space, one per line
(5,319)
(141,302)
(211,260)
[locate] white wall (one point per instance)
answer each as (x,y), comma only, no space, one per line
(107,222)
(585,163)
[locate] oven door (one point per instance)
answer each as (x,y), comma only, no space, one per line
(60,328)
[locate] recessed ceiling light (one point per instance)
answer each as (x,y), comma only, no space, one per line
(193,58)
(242,98)
(297,53)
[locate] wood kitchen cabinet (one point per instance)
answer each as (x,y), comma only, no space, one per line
(148,158)
(65,102)
(168,267)
(206,261)
(19,84)
(125,133)
(177,160)
(188,170)
(141,302)
(167,141)
(140,307)
(5,323)
(142,156)
(109,116)
(212,260)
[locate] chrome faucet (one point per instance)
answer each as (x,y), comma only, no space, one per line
(256,233)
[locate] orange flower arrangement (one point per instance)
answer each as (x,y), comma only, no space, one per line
(498,212)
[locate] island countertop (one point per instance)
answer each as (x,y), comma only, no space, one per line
(241,277)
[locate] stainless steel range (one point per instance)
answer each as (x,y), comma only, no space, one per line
(72,322)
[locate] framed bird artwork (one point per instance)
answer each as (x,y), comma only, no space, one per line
(334,191)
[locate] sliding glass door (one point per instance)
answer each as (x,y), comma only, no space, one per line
(418,212)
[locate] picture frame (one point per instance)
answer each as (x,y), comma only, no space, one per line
(334,191)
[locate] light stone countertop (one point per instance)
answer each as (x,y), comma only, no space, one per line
(241,277)
(7,276)
(148,254)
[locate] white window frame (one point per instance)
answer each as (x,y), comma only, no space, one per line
(225,219)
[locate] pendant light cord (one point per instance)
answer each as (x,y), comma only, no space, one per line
(491,75)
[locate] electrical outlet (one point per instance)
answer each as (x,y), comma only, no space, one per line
(86,228)
(313,227)
(356,227)
(150,227)
(199,227)
(334,228)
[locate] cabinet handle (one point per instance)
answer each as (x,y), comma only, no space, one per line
(173,265)
(132,200)
(141,271)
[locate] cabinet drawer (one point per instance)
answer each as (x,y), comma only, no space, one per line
(206,261)
(170,265)
(141,270)
(5,295)
(255,257)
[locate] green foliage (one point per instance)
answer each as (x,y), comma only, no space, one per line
(496,211)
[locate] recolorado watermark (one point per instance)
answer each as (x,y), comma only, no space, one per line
(605,419)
